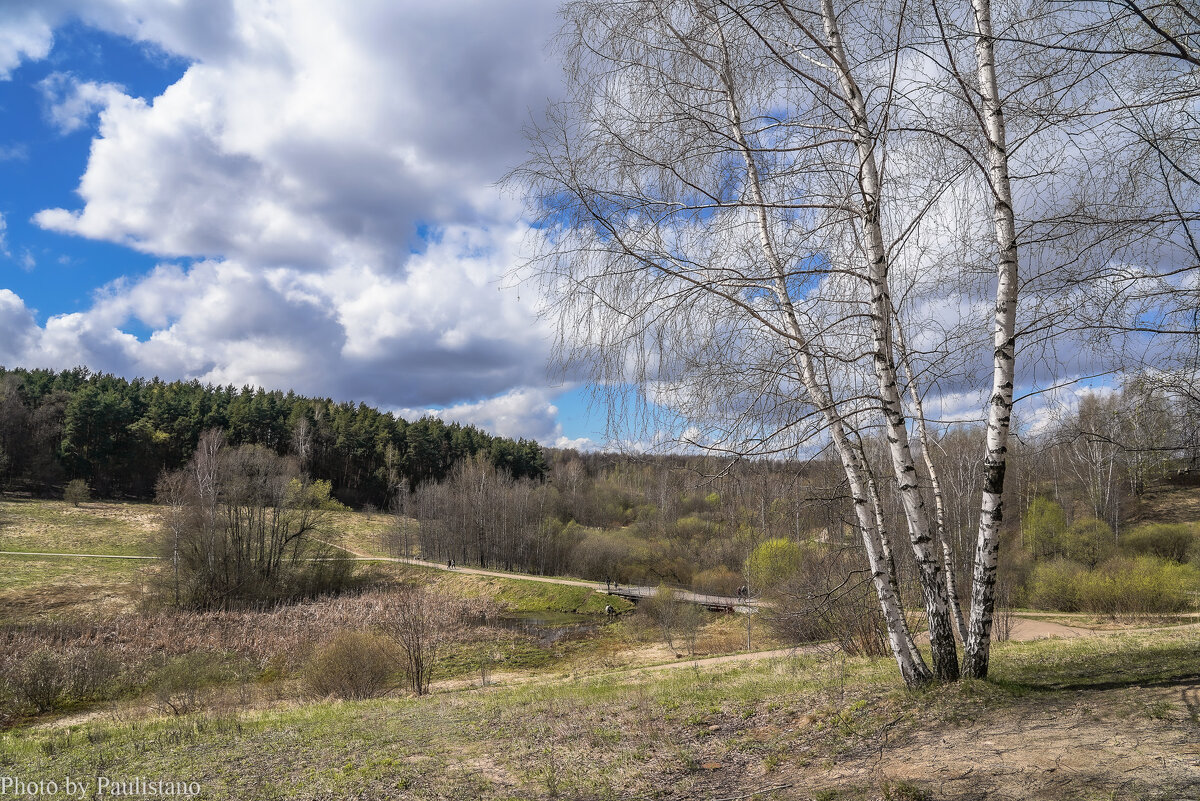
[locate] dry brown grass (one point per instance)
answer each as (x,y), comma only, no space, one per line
(282,633)
(104,527)
(1167,504)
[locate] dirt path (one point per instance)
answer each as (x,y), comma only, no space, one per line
(616,589)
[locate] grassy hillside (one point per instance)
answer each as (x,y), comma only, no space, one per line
(1112,717)
(1167,503)
(610,715)
(41,586)
(92,527)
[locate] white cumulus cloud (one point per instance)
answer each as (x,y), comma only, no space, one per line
(70,103)
(320,183)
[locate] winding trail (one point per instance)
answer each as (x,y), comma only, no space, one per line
(1023,630)
(625,591)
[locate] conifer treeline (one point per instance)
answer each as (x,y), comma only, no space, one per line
(118,435)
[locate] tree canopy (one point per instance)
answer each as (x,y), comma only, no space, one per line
(118,435)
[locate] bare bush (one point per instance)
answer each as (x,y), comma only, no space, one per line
(829,598)
(42,681)
(354,665)
(420,621)
(674,617)
(179,685)
(77,492)
(48,678)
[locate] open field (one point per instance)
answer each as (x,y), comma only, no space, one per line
(40,588)
(93,527)
(362,533)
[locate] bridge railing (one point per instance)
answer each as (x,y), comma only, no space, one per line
(701,599)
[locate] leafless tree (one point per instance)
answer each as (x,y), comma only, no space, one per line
(679,179)
(421,621)
(674,616)
(240,525)
(744,206)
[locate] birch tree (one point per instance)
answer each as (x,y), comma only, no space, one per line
(730,259)
(743,207)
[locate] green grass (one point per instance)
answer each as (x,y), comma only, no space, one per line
(427,745)
(604,737)
(35,587)
(94,527)
(1108,661)
(25,572)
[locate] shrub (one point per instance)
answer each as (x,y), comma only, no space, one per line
(773,562)
(694,527)
(1120,586)
(353,665)
(1164,540)
(48,679)
(1042,526)
(1088,541)
(819,603)
(1054,585)
(180,683)
(92,674)
(718,580)
(77,492)
(41,681)
(1139,586)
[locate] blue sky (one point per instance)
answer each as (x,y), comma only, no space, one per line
(41,166)
(299,196)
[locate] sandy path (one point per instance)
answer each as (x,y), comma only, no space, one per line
(643,592)
(1023,630)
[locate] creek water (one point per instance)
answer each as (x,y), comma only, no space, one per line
(549,628)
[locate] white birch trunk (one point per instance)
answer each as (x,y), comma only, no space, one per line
(987,547)
(939,501)
(933,585)
(912,666)
(885,543)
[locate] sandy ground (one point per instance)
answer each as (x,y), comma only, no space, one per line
(1095,745)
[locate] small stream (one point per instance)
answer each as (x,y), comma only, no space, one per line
(549,628)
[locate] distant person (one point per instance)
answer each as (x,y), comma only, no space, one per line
(449,563)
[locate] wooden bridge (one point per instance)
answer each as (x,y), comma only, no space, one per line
(632,592)
(716,603)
